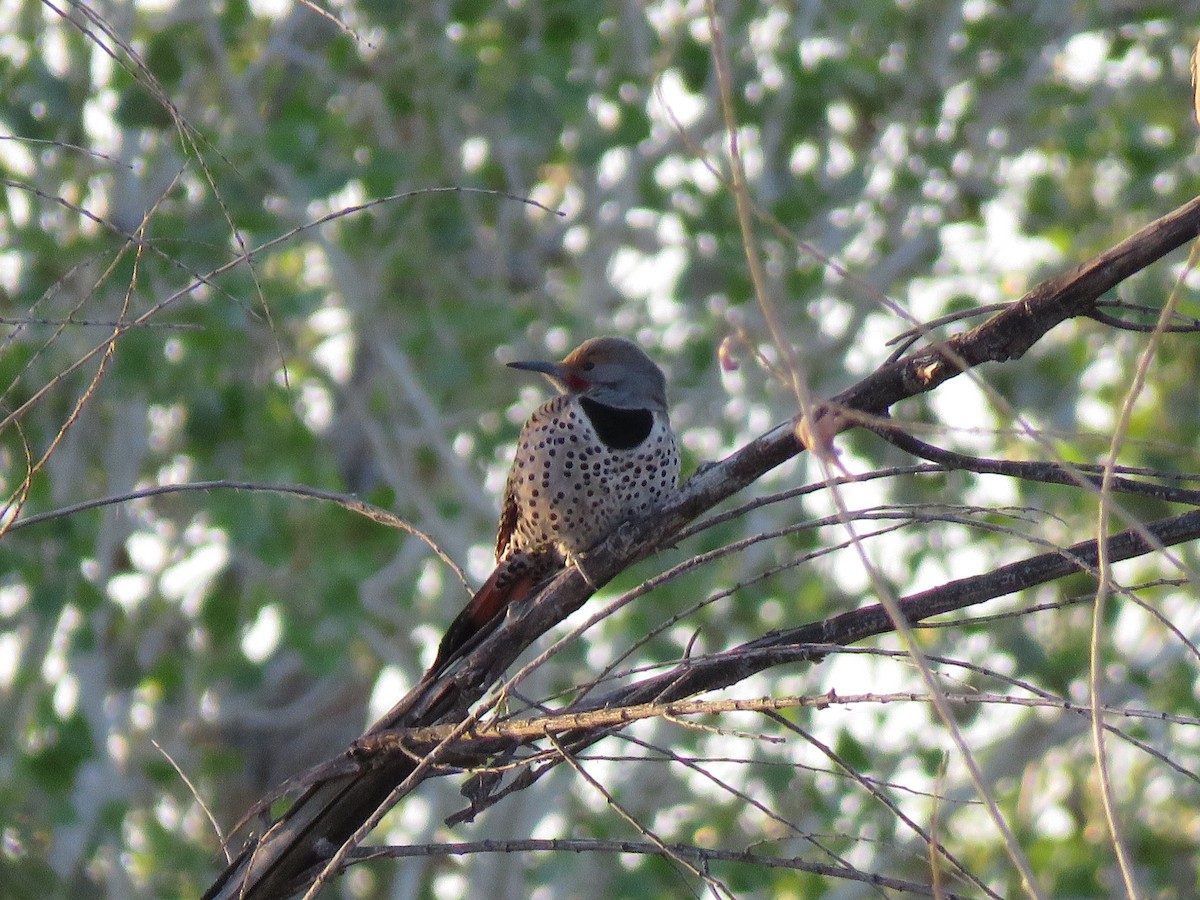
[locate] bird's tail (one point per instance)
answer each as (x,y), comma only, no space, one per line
(514,578)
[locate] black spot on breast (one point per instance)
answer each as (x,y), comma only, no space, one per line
(620,429)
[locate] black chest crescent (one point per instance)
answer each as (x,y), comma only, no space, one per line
(619,429)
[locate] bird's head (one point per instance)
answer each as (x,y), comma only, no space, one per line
(609,370)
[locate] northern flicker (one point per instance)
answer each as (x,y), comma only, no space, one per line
(586,461)
(599,453)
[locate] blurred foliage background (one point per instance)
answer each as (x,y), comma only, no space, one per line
(250,181)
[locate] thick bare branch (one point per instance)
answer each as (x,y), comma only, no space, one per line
(332,812)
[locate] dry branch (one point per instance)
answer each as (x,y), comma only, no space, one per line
(337,810)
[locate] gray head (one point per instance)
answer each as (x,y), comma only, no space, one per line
(609,370)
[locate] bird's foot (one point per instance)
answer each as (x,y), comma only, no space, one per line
(577,562)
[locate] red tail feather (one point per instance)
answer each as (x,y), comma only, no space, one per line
(514,579)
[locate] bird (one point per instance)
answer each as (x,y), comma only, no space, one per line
(600,452)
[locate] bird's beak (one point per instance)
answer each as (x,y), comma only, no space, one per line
(564,377)
(552,369)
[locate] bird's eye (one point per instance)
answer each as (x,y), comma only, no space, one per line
(588,366)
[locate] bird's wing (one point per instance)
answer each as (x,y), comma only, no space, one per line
(506,530)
